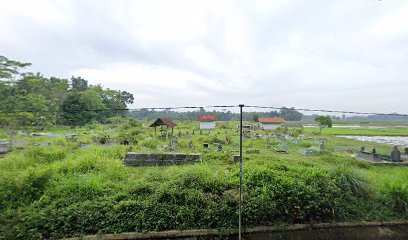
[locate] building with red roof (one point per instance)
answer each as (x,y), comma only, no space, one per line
(270,123)
(207,121)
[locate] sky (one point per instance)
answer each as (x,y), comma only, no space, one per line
(347,55)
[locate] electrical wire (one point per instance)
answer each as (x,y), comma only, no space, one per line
(216,106)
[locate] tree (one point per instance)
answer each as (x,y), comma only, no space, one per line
(323,121)
(80,108)
(290,114)
(255,118)
(79,84)
(10,68)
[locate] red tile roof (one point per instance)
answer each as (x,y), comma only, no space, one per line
(271,120)
(207,118)
(163,122)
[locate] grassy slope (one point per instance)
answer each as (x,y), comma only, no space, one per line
(63,191)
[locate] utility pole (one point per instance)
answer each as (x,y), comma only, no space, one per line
(240,170)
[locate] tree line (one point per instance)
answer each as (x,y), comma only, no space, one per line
(34,100)
(289,114)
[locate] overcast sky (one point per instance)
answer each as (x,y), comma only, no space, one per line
(327,54)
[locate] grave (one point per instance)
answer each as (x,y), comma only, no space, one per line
(322,146)
(283,146)
(5,146)
(308,151)
(161,159)
(252,151)
(206,145)
(219,147)
(280,151)
(191,145)
(395,155)
(83,145)
(236,158)
(45,144)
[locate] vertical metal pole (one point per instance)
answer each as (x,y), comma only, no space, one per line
(240,170)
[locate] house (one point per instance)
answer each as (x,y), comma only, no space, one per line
(270,123)
(167,122)
(207,121)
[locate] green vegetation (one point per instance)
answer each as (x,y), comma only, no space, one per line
(323,122)
(29,99)
(383,131)
(61,186)
(66,190)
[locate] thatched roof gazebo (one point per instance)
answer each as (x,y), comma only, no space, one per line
(164,122)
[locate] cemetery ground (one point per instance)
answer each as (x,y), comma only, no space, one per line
(74,182)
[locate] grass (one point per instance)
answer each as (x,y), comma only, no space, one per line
(63,190)
(386,131)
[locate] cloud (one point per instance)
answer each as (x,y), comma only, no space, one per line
(281,53)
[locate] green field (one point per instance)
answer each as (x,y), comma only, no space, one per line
(386,131)
(63,190)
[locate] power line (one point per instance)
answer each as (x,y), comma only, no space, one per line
(216,106)
(330,111)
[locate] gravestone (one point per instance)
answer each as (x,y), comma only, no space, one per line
(362,149)
(406,150)
(395,155)
(252,151)
(236,144)
(236,158)
(191,145)
(322,146)
(188,135)
(219,148)
(206,145)
(179,134)
(307,152)
(45,144)
(126,142)
(5,146)
(201,132)
(193,132)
